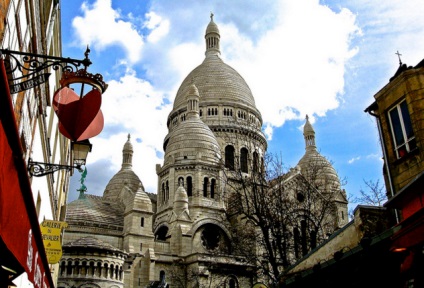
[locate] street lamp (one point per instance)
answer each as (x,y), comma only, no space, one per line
(79,153)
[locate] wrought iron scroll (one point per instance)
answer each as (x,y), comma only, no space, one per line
(32,67)
(39,169)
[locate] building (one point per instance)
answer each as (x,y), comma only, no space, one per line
(181,236)
(31,69)
(381,246)
(398,109)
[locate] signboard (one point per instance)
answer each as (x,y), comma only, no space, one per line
(50,231)
(25,85)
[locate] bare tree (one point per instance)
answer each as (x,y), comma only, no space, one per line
(279,214)
(375,194)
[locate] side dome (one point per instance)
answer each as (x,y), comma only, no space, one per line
(320,170)
(125,180)
(316,166)
(192,139)
(140,202)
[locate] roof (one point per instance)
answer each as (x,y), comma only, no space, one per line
(91,210)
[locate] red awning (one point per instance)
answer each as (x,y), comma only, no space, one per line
(19,228)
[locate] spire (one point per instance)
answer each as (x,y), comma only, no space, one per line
(180,201)
(192,98)
(127,153)
(212,38)
(309,135)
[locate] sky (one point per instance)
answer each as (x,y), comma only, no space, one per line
(324,59)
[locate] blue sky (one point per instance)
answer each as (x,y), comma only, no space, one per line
(322,58)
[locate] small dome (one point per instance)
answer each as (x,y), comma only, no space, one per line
(192,90)
(128,146)
(140,202)
(308,129)
(212,27)
(125,178)
(190,138)
(315,166)
(320,169)
(180,200)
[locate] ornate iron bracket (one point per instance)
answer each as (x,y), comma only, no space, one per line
(32,67)
(39,169)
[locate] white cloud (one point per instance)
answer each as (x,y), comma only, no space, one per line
(135,107)
(354,159)
(101,27)
(159,27)
(298,66)
(294,59)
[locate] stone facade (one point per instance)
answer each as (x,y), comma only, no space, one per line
(407,85)
(181,236)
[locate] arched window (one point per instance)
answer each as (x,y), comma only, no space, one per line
(167,191)
(163,192)
(205,186)
(213,183)
(243,160)
(162,277)
(189,186)
(255,162)
(296,242)
(232,283)
(229,157)
(161,233)
(313,235)
(69,268)
(304,237)
(180,181)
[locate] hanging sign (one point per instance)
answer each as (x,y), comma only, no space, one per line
(51,232)
(31,83)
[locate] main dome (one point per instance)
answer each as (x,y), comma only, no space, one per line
(217,82)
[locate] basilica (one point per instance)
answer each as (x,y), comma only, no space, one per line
(129,237)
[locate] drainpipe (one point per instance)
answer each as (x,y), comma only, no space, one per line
(383,148)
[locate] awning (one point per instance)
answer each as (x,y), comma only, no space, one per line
(20,236)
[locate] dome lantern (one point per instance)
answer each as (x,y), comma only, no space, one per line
(212,37)
(309,135)
(127,153)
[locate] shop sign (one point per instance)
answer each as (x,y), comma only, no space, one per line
(51,234)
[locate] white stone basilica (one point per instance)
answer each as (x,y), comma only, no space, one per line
(131,238)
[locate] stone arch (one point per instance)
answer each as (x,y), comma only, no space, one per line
(161,232)
(211,235)
(231,282)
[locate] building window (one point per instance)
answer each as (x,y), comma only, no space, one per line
(401,127)
(229,157)
(189,187)
(142,222)
(255,162)
(243,160)
(205,186)
(213,183)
